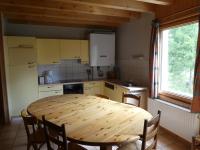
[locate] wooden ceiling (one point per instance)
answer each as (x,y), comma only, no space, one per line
(88,13)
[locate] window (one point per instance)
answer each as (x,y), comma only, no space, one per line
(178,60)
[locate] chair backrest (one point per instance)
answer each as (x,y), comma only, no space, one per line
(131,99)
(102,96)
(30,123)
(150,132)
(55,135)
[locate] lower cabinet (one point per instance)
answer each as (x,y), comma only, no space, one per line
(118,92)
(50,90)
(93,88)
(114,91)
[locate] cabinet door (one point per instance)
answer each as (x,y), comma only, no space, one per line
(21,56)
(23,87)
(84,51)
(48,51)
(70,49)
(20,42)
(119,92)
(109,92)
(44,94)
(21,50)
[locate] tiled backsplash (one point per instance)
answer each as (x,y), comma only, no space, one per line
(71,70)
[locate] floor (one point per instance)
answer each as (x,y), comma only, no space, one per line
(13,137)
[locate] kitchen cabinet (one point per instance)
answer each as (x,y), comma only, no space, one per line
(23,86)
(70,49)
(48,51)
(50,90)
(21,72)
(114,91)
(20,42)
(84,51)
(93,88)
(109,90)
(19,52)
(118,92)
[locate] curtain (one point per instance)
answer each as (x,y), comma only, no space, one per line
(153,59)
(196,89)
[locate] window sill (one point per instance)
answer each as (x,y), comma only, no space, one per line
(173,105)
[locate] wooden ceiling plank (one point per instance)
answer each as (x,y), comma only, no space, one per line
(69,7)
(130,5)
(158,2)
(62,15)
(41,18)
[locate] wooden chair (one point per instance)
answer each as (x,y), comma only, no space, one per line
(56,135)
(148,138)
(102,96)
(35,134)
(196,143)
(135,100)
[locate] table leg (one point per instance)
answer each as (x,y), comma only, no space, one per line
(105,147)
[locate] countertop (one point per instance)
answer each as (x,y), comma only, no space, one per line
(117,82)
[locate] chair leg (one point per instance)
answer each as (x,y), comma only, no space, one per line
(28,146)
(35,146)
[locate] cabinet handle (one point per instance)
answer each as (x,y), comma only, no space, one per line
(55,62)
(30,63)
(103,56)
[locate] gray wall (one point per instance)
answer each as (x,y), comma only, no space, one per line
(49,31)
(133,40)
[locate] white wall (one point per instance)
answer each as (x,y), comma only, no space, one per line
(49,31)
(134,39)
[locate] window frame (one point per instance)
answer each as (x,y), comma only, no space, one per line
(171,97)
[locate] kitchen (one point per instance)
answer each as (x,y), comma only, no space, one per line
(79,64)
(62,66)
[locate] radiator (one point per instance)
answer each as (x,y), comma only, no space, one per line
(176,119)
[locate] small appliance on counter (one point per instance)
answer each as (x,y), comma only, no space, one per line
(41,79)
(48,77)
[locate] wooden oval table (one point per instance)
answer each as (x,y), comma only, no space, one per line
(91,120)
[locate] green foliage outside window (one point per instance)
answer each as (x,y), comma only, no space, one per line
(181,58)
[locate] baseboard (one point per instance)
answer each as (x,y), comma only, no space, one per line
(175,135)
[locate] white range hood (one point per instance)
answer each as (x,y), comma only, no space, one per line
(102,49)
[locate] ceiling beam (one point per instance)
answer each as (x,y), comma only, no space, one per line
(130,5)
(62,15)
(69,7)
(158,2)
(56,21)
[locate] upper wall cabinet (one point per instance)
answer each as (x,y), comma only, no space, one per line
(84,51)
(48,51)
(21,42)
(70,49)
(21,50)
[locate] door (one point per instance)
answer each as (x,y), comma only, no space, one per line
(23,86)
(48,51)
(84,51)
(70,49)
